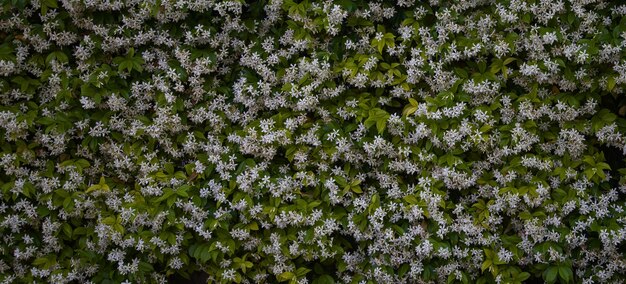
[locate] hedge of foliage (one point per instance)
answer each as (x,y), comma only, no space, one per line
(320,141)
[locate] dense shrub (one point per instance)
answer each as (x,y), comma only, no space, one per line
(312,142)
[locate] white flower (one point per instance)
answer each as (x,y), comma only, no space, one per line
(228,274)
(87,102)
(505,255)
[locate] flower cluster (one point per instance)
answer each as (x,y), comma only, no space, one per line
(313,141)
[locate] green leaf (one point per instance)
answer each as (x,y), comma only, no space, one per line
(285,276)
(145,267)
(341,181)
(109,221)
(58,55)
(67,229)
(525,215)
(603,166)
(253,226)
(509,60)
(410,108)
(46,4)
(496,66)
(610,84)
(379,117)
(302,271)
(50,3)
(607,116)
(566,273)
(411,199)
(522,276)
(103,184)
(40,261)
(550,274)
(324,279)
(461,73)
(379,44)
(486,264)
(82,163)
(93,188)
(6,52)
(482,66)
(380,125)
(374,203)
(451,278)
(166,194)
(490,255)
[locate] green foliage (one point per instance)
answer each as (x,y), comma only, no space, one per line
(312,141)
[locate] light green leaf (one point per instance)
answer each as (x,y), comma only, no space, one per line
(486,264)
(610,84)
(285,276)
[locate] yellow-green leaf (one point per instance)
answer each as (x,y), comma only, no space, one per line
(285,276)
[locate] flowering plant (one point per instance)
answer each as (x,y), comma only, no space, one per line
(312,141)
